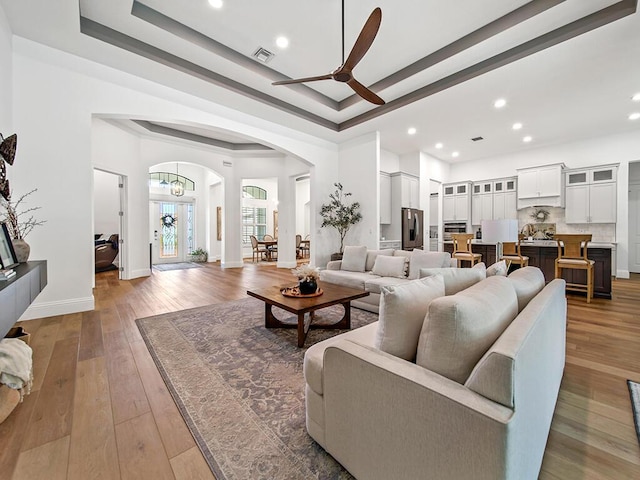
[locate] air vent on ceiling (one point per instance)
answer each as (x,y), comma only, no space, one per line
(263,55)
(227,164)
(476,139)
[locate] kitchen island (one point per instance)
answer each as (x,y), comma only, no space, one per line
(543,254)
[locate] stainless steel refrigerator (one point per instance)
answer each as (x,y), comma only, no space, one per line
(412,228)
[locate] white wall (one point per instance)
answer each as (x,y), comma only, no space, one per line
(389,162)
(6,72)
(55,98)
(106,203)
(359,167)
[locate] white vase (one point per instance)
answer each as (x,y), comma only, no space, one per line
(22,249)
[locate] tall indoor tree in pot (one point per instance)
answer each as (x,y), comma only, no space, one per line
(340,214)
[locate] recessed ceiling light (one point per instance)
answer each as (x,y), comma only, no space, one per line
(636,97)
(517,126)
(527,139)
(412,131)
(455,154)
(501,102)
(634,116)
(282,42)
(215,3)
(439,145)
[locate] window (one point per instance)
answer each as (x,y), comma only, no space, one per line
(254,222)
(254,213)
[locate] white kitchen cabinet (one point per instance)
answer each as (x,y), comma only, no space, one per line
(481,208)
(541,186)
(505,205)
(433,209)
(456,202)
(408,186)
(591,195)
(385,198)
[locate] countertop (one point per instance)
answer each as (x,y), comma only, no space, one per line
(541,243)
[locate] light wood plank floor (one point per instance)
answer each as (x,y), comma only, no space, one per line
(99,408)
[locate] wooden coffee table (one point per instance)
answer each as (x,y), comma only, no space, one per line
(333,295)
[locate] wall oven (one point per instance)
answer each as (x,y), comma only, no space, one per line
(453,227)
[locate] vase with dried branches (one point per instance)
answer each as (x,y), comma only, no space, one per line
(20,220)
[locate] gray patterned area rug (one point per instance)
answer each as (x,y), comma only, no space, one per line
(240,388)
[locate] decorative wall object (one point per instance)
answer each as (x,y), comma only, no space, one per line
(219,223)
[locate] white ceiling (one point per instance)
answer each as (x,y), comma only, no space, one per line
(575,89)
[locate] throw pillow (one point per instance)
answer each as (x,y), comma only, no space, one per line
(373,254)
(498,268)
(387,266)
(354,258)
(455,279)
(481,266)
(402,311)
(459,329)
(528,282)
(406,254)
(421,259)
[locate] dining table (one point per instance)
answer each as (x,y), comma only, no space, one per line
(268,244)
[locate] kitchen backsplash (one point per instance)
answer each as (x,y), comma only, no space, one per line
(601,232)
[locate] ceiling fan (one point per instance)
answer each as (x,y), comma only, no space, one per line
(343,72)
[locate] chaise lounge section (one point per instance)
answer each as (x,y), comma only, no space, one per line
(477,404)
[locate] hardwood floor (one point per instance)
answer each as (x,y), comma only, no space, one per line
(99,408)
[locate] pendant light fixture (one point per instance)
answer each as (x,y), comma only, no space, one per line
(177,187)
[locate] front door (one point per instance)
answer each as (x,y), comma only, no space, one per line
(172,231)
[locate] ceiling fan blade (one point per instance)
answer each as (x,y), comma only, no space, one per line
(364,92)
(365,39)
(328,76)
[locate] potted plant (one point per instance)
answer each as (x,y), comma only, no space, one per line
(199,255)
(20,221)
(340,214)
(307,279)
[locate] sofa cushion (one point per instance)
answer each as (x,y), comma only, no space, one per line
(386,266)
(481,266)
(372,255)
(527,282)
(498,268)
(375,283)
(314,356)
(403,253)
(460,328)
(346,279)
(354,259)
(455,279)
(421,259)
(402,311)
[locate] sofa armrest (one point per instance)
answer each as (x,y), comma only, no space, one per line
(389,418)
(334,265)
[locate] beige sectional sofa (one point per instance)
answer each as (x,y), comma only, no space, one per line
(357,270)
(477,404)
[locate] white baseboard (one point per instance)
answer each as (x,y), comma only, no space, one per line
(63,307)
(232,264)
(622,274)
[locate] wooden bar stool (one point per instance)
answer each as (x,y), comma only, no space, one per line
(462,249)
(572,254)
(511,253)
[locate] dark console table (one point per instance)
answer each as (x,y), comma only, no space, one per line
(17,293)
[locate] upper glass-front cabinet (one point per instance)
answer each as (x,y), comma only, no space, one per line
(591,175)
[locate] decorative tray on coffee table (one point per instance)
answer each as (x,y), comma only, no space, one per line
(294,291)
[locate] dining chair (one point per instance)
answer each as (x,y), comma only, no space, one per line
(511,253)
(462,250)
(257,251)
(298,248)
(306,247)
(572,254)
(272,249)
